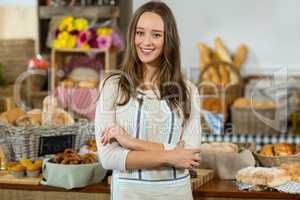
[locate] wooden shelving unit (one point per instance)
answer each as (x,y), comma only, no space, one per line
(95,12)
(58,59)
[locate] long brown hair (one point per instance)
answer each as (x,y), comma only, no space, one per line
(171,84)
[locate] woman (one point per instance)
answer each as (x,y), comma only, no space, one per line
(147,118)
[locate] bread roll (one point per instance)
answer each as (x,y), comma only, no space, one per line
(267,150)
(284,149)
(12,115)
(61,117)
(87,84)
(35,116)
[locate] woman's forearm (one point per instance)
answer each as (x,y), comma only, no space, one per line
(146,159)
(142,145)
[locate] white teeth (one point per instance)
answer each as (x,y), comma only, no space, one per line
(146,50)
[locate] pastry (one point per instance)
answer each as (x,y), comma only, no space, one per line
(92,145)
(35,116)
(284,149)
(24,121)
(67,83)
(293,169)
(263,176)
(12,115)
(61,117)
(89,158)
(18,170)
(87,84)
(267,150)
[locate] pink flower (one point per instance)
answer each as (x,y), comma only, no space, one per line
(117,41)
(104,42)
(83,38)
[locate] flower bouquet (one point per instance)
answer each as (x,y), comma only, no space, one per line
(79,33)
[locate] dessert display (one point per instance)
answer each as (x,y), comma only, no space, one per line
(25,167)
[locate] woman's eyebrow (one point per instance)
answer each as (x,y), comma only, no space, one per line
(157,31)
(153,30)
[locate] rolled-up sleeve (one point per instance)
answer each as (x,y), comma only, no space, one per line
(112,156)
(192,129)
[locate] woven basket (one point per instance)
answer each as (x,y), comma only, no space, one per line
(227,94)
(246,121)
(274,161)
(24,142)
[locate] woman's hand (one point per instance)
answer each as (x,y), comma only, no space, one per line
(184,158)
(116,133)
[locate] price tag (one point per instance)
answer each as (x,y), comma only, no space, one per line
(55,144)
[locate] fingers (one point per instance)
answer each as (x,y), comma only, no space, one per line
(196,150)
(106,138)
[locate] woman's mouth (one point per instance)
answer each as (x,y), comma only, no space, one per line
(146,51)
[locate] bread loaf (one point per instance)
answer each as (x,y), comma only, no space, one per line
(264,176)
(240,56)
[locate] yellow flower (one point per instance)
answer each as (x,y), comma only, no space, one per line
(71,42)
(81,24)
(65,40)
(85,46)
(67,24)
(104,31)
(57,44)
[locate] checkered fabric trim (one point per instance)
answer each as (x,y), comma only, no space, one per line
(260,140)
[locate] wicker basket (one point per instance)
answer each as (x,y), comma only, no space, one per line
(227,94)
(246,121)
(274,161)
(24,142)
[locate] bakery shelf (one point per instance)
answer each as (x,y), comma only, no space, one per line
(46,12)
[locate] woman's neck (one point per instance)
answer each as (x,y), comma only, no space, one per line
(150,76)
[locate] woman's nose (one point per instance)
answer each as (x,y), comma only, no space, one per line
(147,40)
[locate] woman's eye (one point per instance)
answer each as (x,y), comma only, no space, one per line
(156,35)
(140,33)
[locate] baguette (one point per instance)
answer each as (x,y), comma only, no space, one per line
(221,50)
(205,55)
(240,56)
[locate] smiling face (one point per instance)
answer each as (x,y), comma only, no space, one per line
(149,38)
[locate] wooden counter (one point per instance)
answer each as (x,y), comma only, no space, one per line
(214,190)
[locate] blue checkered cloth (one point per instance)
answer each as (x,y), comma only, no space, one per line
(260,140)
(214,121)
